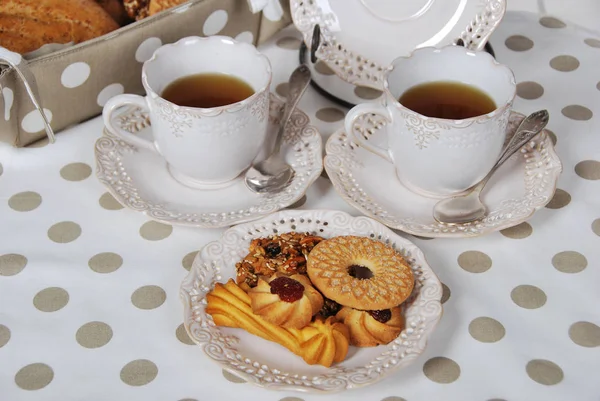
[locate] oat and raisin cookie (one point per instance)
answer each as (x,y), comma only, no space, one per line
(284,253)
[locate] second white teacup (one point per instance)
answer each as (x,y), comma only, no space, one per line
(439,157)
(203,147)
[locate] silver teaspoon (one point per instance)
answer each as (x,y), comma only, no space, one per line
(273,173)
(468,207)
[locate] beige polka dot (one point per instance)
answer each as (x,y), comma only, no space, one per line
(551,22)
(530,90)
(366,93)
(282,89)
(577,112)
(588,169)
(64,232)
(298,203)
(34,377)
(585,334)
(75,172)
(182,335)
(289,43)
(519,231)
(569,262)
(486,329)
(544,372)
(25,201)
(446,293)
(393,398)
(595,229)
(105,262)
(11,264)
(94,335)
(552,136)
(528,296)
(188,260)
(139,372)
(39,144)
(108,202)
(474,261)
(560,199)
(155,231)
(232,378)
(518,43)
(323,68)
(564,63)
(4,335)
(592,42)
(51,299)
(148,297)
(441,370)
(330,114)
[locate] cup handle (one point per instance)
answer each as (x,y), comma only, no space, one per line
(123,100)
(360,110)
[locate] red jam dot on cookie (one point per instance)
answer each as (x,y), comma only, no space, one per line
(381,316)
(289,290)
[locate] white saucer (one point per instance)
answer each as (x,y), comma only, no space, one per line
(140,180)
(360,38)
(269,365)
(525,183)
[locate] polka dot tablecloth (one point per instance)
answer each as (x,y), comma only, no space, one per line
(89,306)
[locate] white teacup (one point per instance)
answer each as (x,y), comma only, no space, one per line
(203,147)
(439,157)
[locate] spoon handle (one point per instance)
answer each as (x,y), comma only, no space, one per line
(527,130)
(298,83)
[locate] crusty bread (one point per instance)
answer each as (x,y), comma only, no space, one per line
(157,6)
(25,25)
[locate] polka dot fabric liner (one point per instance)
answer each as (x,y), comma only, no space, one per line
(89,289)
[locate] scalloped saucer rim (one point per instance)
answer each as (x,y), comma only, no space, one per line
(215,263)
(432,228)
(118,170)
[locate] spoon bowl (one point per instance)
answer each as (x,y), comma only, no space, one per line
(273,173)
(469,207)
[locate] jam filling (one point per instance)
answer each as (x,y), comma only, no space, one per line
(289,290)
(360,272)
(381,316)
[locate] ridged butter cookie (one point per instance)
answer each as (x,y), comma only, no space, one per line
(360,273)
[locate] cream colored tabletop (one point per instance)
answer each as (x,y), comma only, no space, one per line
(89,306)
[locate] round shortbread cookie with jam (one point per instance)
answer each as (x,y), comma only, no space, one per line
(360,273)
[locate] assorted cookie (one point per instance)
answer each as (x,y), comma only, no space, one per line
(316,296)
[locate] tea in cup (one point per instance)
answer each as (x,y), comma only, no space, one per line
(447,110)
(208,102)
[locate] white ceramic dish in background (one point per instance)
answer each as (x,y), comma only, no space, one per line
(139,179)
(524,183)
(268,364)
(360,38)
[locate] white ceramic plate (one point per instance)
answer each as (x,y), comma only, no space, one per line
(268,364)
(139,179)
(523,184)
(360,38)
